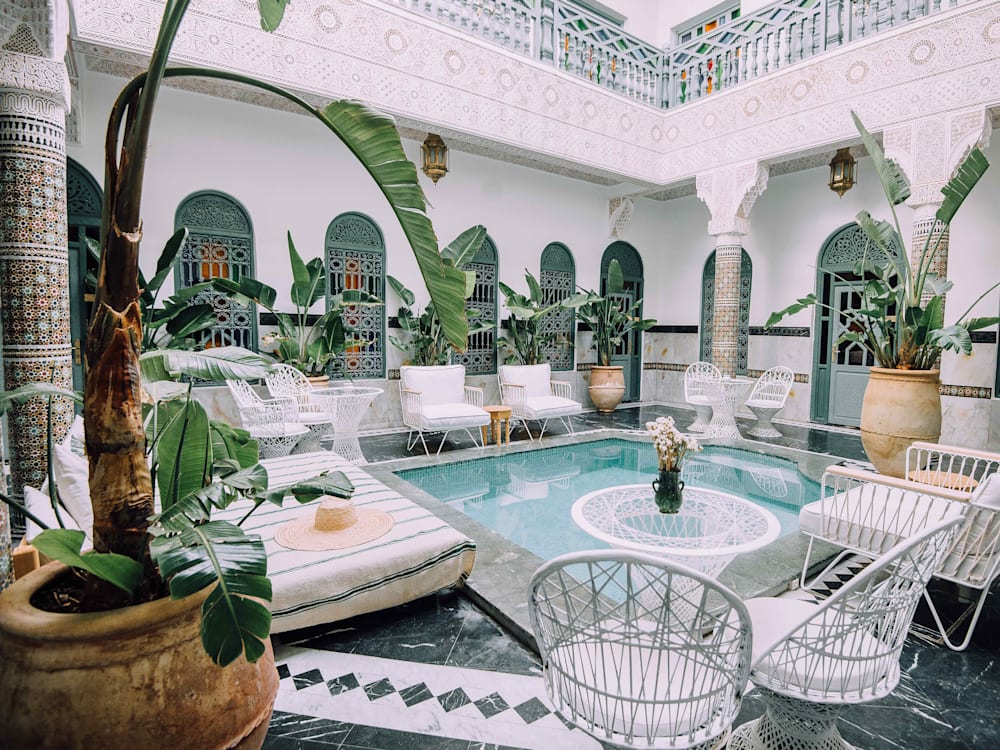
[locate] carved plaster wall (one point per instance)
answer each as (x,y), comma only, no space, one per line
(428,73)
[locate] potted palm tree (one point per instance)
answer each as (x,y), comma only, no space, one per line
(203,567)
(527,340)
(611,320)
(901,318)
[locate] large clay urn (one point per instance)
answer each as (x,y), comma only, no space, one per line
(900,407)
(607,387)
(136,678)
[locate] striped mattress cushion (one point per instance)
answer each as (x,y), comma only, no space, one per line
(420,555)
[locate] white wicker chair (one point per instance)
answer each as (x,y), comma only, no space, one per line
(436,399)
(533,395)
(273,423)
(768,398)
(639,651)
(866,513)
(697,391)
(315,412)
(811,660)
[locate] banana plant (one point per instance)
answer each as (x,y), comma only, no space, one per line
(526,342)
(309,347)
(901,318)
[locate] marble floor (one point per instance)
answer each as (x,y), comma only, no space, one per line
(440,673)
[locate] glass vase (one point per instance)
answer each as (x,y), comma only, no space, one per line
(668,491)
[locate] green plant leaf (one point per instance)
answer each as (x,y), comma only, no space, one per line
(969,172)
(800,304)
(534,288)
(333,483)
(885,238)
(220,553)
(463,248)
(307,285)
(35,390)
(401,291)
(184,455)
(217,363)
(185,320)
(616,279)
(165,263)
(271,13)
(64,545)
(955,337)
(893,179)
(248,289)
(976,324)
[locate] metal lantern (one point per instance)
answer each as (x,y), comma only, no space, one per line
(842,168)
(435,157)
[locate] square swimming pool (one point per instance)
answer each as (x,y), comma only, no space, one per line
(526,497)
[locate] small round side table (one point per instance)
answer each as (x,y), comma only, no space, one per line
(498,415)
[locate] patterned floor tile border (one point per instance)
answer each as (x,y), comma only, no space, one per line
(468,704)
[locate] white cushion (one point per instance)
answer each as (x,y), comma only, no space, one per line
(451,416)
(978,536)
(842,669)
(536,379)
(71,473)
(543,407)
(630,671)
(38,503)
(74,438)
(444,384)
(988,492)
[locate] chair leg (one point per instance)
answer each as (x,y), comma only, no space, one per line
(443,439)
(528,429)
(568,424)
(790,724)
(975,609)
(545,423)
(482,443)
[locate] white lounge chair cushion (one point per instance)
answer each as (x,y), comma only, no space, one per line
(771,618)
(978,537)
(73,481)
(444,384)
(452,416)
(536,379)
(38,504)
(765,402)
(623,674)
(421,554)
(545,407)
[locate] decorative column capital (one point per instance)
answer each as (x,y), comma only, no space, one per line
(33,41)
(930,149)
(620,212)
(729,193)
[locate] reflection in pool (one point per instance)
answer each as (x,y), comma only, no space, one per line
(526,497)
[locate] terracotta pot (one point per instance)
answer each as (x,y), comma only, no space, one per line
(900,407)
(607,387)
(133,678)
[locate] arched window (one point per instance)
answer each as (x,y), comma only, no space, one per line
(628,354)
(84,199)
(557,278)
(219,245)
(708,311)
(355,259)
(480,358)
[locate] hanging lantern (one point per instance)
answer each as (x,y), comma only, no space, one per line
(842,168)
(435,157)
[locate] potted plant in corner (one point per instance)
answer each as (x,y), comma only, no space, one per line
(308,347)
(526,340)
(194,557)
(611,322)
(901,318)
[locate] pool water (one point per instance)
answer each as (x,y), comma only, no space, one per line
(526,497)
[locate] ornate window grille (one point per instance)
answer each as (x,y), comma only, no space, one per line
(480,357)
(219,245)
(708,311)
(558,280)
(355,259)
(84,200)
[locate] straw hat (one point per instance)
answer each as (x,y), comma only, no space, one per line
(337,524)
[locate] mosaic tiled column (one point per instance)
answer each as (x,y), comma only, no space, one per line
(729,193)
(34,262)
(726,305)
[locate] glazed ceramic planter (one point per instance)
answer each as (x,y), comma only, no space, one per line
(900,407)
(668,491)
(136,678)
(607,387)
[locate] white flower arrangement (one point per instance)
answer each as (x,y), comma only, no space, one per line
(671,444)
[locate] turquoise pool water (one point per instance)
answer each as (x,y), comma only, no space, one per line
(526,497)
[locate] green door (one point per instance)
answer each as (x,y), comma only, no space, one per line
(849,363)
(628,354)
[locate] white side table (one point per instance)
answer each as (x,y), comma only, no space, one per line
(725,395)
(346,407)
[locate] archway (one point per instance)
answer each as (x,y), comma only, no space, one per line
(629,354)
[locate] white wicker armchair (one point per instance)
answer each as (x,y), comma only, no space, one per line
(273,423)
(768,398)
(436,399)
(533,395)
(315,412)
(698,379)
(811,660)
(639,651)
(866,513)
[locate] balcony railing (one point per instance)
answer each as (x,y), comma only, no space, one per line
(576,40)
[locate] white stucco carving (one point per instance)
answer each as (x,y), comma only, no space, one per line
(729,193)
(426,72)
(620,212)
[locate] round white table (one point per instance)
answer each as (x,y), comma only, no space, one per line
(725,395)
(346,406)
(709,531)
